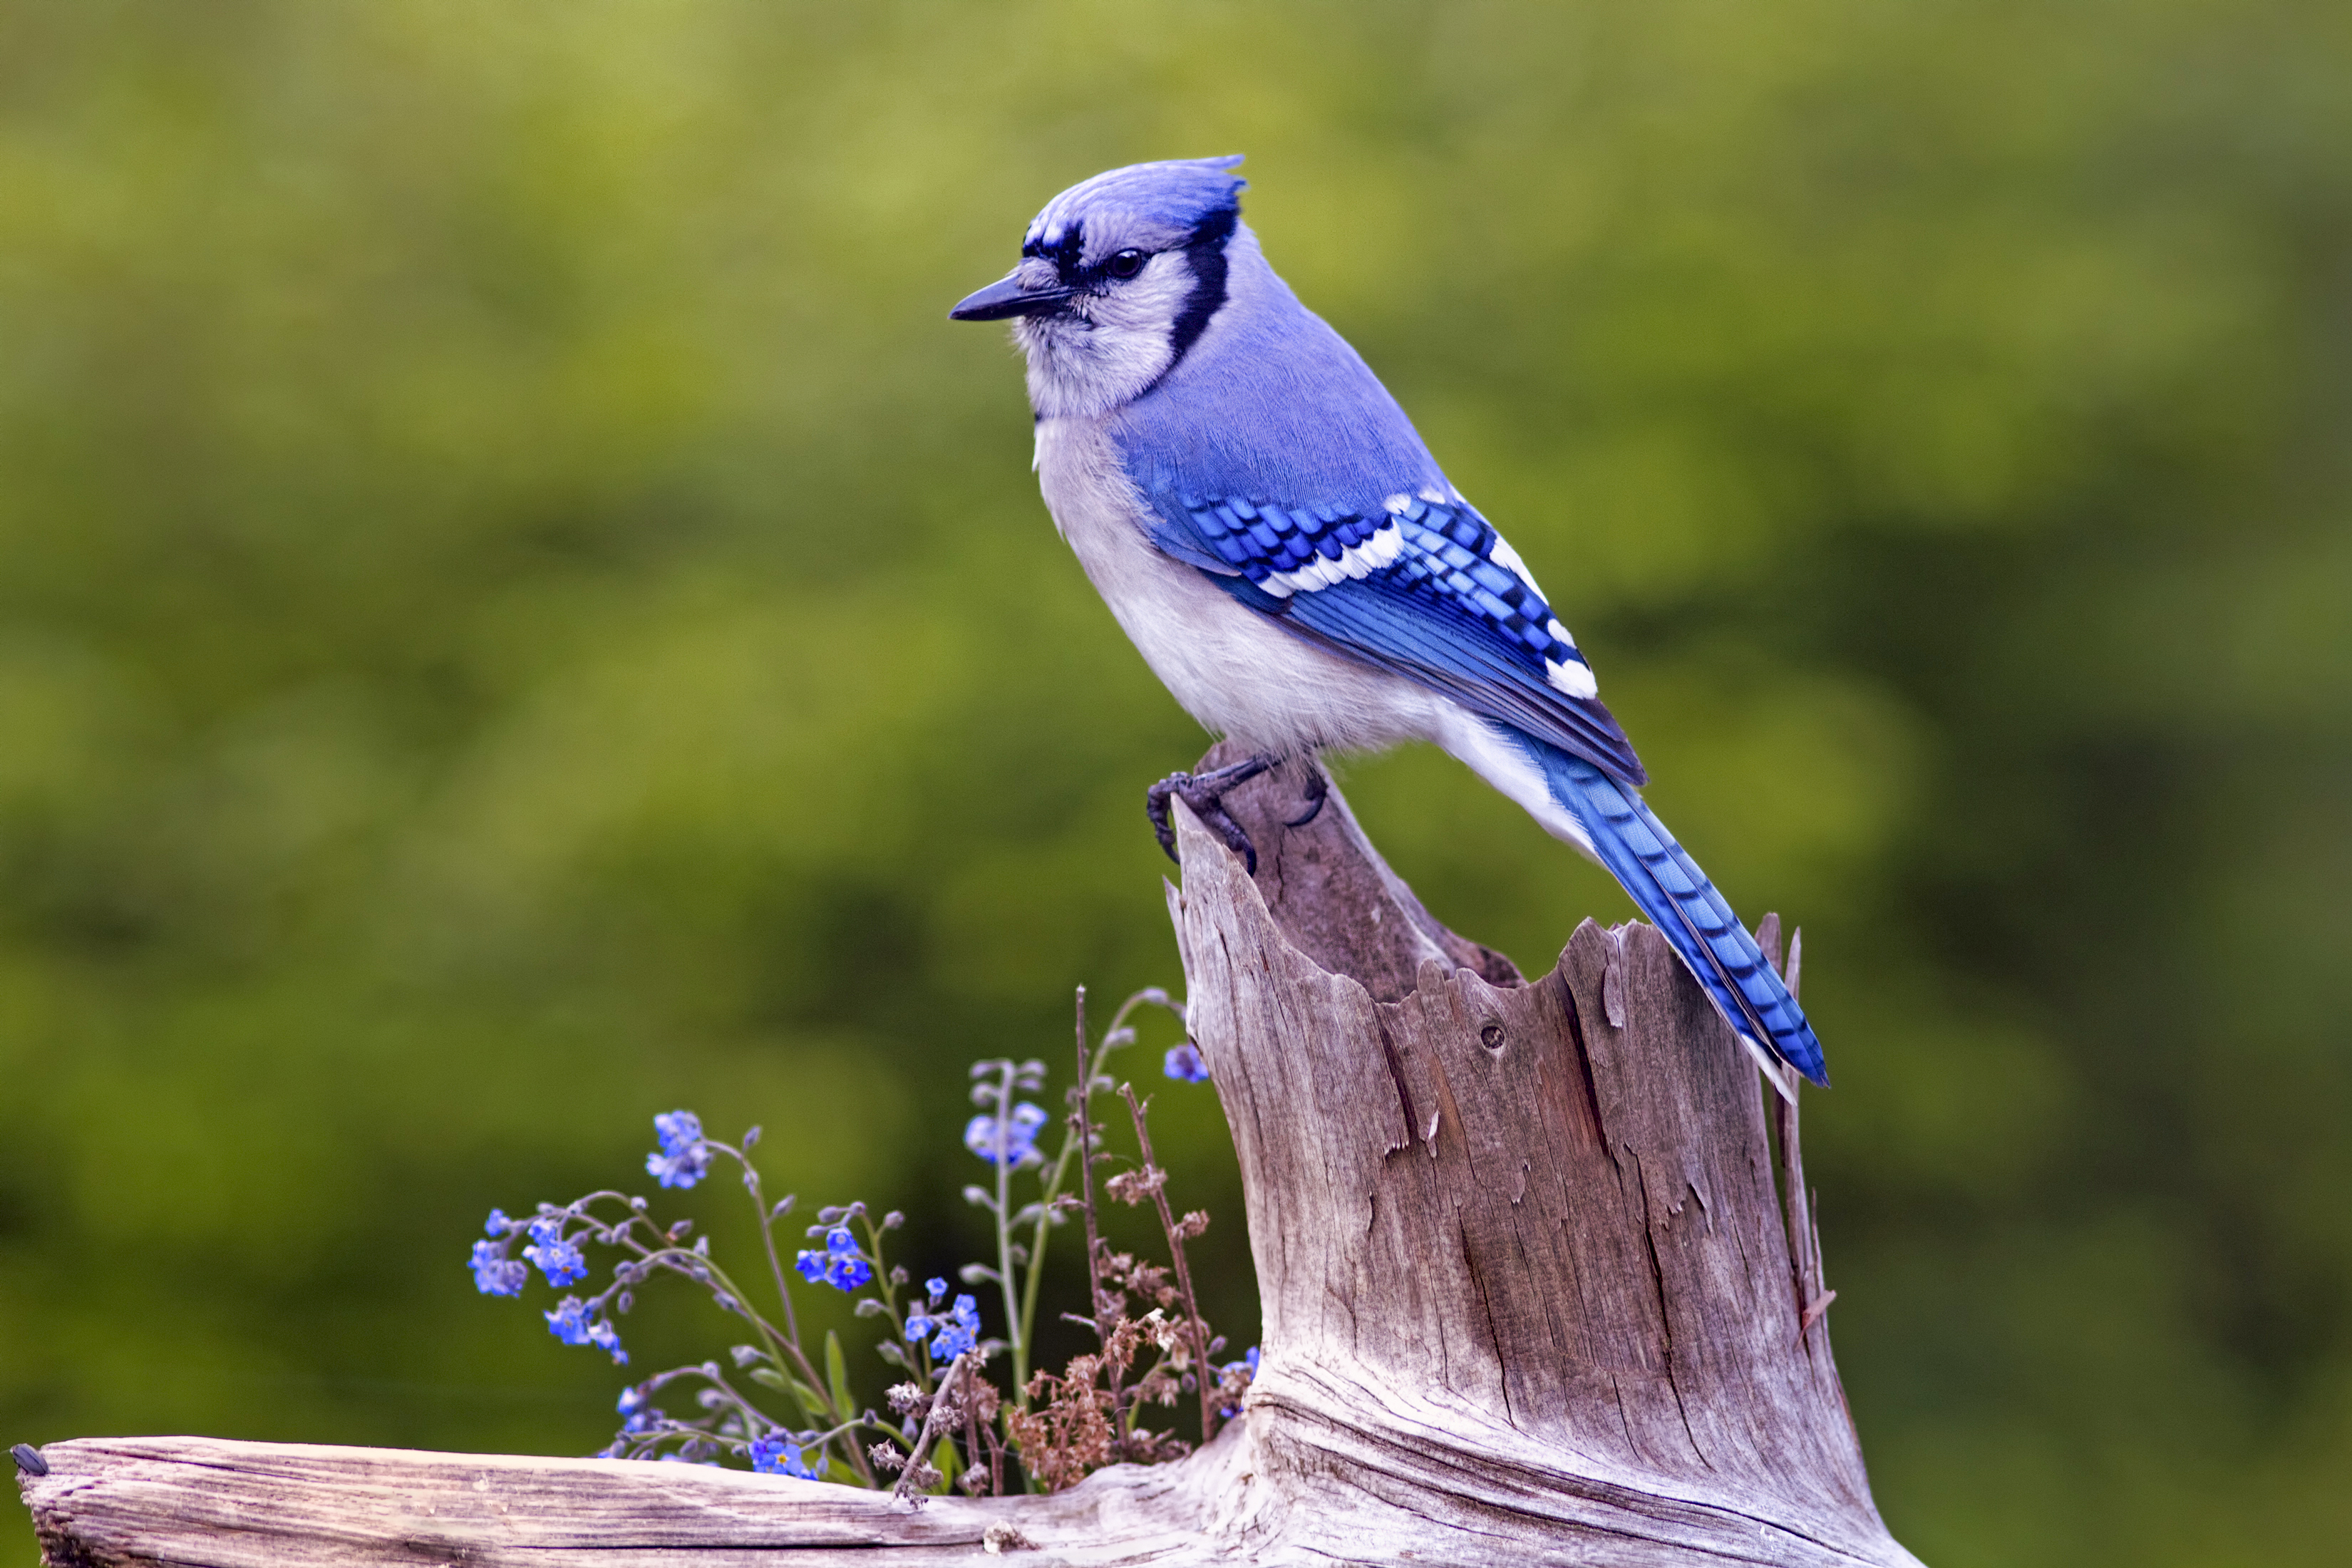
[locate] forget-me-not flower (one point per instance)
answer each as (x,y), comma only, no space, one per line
(1185,1065)
(1019,1131)
(840,1265)
(571,1323)
(495,1274)
(684,1158)
(637,1415)
(776,1455)
(557,1258)
(560,1260)
(952,1332)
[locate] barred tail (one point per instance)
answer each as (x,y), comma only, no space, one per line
(1681,902)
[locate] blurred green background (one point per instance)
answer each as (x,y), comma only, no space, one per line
(517,612)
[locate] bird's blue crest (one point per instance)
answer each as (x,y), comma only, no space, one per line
(1178,195)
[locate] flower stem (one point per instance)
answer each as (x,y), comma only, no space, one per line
(1184,1273)
(1013,1327)
(958,1368)
(1083,1116)
(1076,1142)
(775,1260)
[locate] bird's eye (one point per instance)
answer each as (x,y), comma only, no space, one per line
(1126,264)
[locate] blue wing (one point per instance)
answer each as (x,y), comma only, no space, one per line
(1424,589)
(1428,590)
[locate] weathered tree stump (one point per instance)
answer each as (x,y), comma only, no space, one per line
(1527,1280)
(1529,1297)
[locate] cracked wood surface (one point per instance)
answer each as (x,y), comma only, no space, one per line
(1530,1296)
(151,1500)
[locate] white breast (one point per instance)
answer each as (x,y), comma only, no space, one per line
(1232,668)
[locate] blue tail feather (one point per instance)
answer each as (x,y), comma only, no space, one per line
(1678,897)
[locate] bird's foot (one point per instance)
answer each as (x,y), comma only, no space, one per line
(1204,792)
(1319,790)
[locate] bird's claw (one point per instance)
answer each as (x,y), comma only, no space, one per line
(1319,790)
(1204,792)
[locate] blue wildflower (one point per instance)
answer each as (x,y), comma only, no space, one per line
(678,1131)
(846,1268)
(638,1416)
(495,1274)
(1184,1064)
(840,1265)
(952,1332)
(776,1455)
(961,1333)
(684,1158)
(498,1224)
(935,1288)
(562,1263)
(1019,1134)
(571,1323)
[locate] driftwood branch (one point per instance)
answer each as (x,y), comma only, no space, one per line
(1536,1290)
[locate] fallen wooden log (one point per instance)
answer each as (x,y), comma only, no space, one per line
(1532,1294)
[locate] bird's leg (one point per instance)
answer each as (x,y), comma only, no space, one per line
(1204,792)
(1319,790)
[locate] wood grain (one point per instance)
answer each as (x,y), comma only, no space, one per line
(1530,1296)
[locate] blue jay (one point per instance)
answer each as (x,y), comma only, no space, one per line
(1270,532)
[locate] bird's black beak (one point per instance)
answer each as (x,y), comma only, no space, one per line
(1006,298)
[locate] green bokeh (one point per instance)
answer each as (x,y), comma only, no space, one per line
(517,612)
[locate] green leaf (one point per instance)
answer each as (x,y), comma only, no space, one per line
(948,1462)
(836,1371)
(811,1402)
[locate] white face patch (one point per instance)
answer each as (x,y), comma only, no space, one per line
(1111,345)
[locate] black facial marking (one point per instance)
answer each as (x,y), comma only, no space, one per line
(1063,253)
(1205,251)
